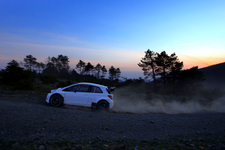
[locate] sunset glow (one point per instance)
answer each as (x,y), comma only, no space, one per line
(113,33)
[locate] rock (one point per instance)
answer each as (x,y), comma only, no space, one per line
(106,146)
(41,147)
(15,144)
(201,147)
(77,147)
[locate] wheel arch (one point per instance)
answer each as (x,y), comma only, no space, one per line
(98,105)
(56,94)
(102,100)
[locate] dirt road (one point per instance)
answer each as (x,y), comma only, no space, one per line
(33,119)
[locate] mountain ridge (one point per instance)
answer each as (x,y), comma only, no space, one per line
(214,75)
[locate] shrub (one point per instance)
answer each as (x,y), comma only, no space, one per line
(48,78)
(24,85)
(64,83)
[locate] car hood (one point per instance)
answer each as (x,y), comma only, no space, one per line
(53,90)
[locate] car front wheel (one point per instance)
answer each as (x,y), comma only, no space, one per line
(56,100)
(103,105)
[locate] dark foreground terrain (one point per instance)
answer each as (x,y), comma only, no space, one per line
(27,123)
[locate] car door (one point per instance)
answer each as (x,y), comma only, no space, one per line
(95,94)
(78,96)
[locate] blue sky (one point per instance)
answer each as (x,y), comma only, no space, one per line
(113,32)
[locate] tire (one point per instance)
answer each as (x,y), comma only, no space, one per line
(103,105)
(56,100)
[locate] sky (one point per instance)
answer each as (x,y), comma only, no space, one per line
(113,32)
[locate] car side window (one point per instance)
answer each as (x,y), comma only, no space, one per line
(82,88)
(71,89)
(95,89)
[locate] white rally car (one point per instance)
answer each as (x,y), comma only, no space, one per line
(82,94)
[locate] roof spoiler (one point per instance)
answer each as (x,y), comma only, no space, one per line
(111,88)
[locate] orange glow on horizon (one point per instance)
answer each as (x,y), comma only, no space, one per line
(202,62)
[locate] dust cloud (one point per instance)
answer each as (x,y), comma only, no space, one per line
(137,100)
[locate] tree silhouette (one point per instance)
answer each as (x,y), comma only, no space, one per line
(30,61)
(74,74)
(62,62)
(114,73)
(168,66)
(63,73)
(191,76)
(175,71)
(104,71)
(40,66)
(16,76)
(80,66)
(89,67)
(50,69)
(12,73)
(53,60)
(13,63)
(98,68)
(148,65)
(118,72)
(163,64)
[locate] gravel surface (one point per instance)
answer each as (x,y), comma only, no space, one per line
(27,118)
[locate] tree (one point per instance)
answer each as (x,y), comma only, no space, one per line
(191,76)
(89,67)
(148,65)
(168,67)
(74,74)
(112,73)
(30,61)
(163,64)
(104,71)
(53,60)
(80,66)
(175,71)
(13,63)
(98,68)
(63,73)
(63,62)
(16,76)
(58,66)
(118,72)
(40,66)
(13,73)
(50,69)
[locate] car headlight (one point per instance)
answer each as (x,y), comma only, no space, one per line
(53,90)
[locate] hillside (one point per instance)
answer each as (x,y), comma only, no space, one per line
(214,75)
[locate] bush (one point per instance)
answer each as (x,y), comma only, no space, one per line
(48,78)
(24,85)
(64,83)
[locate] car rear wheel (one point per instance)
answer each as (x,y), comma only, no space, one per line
(56,100)
(103,105)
